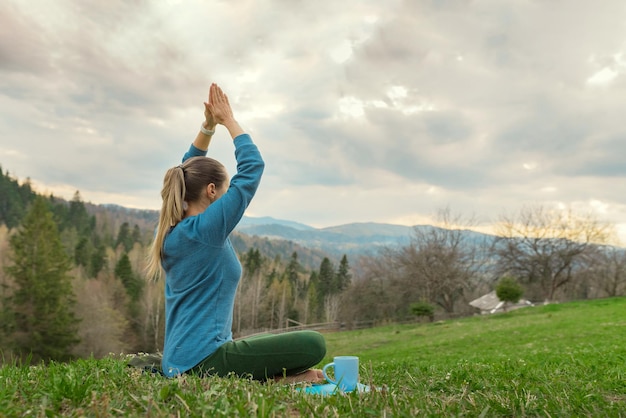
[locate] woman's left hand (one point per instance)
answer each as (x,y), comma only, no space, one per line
(208,116)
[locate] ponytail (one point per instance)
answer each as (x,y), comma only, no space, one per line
(172,212)
(181,185)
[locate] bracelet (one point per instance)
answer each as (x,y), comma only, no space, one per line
(206,131)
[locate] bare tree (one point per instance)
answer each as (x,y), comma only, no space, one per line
(439,265)
(611,271)
(153,311)
(102,327)
(277,302)
(442,262)
(331,307)
(546,248)
(372,294)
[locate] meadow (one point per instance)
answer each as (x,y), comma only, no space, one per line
(559,360)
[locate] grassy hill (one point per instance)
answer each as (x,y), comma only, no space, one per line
(556,360)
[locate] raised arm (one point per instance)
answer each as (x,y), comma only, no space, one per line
(222,215)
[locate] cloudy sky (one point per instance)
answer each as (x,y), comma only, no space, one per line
(382,111)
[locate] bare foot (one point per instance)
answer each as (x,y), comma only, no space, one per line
(308,376)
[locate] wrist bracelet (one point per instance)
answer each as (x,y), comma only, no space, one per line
(206,131)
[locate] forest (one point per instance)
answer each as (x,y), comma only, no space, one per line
(72,281)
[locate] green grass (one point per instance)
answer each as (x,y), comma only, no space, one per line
(559,360)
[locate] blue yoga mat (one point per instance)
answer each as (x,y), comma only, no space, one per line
(331,389)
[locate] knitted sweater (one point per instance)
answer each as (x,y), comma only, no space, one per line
(202,270)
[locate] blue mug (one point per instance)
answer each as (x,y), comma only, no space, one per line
(346,375)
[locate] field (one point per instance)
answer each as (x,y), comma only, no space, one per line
(560,360)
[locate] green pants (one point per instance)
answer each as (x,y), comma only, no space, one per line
(265,356)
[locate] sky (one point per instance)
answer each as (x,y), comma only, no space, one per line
(364,110)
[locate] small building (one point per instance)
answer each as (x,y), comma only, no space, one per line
(490,303)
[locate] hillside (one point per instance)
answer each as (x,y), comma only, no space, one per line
(564,360)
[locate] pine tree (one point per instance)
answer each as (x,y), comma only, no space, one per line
(293,269)
(136,235)
(327,283)
(14,199)
(343,277)
(292,273)
(124,237)
(98,259)
(77,216)
(132,283)
(252,261)
(43,322)
(134,289)
(82,252)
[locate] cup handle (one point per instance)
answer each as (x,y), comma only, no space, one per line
(326,376)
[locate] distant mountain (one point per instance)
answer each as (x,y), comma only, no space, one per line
(247,222)
(352,239)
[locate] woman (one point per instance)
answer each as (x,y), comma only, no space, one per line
(200,209)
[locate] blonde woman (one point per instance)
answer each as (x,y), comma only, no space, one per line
(201,207)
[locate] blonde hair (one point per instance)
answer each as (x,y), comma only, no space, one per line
(182,184)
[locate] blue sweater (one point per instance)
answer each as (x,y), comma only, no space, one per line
(202,270)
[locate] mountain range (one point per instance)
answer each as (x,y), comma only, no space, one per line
(279,237)
(351,239)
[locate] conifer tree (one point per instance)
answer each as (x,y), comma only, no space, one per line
(136,235)
(134,289)
(14,199)
(293,269)
(124,237)
(292,273)
(132,283)
(98,259)
(343,277)
(327,283)
(82,252)
(77,216)
(252,261)
(43,322)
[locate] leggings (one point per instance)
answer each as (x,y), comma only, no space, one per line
(266,356)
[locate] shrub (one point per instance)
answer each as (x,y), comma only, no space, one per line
(509,290)
(421,309)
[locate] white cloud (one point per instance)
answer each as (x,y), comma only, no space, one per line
(608,73)
(603,77)
(350,107)
(376,111)
(341,52)
(529,166)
